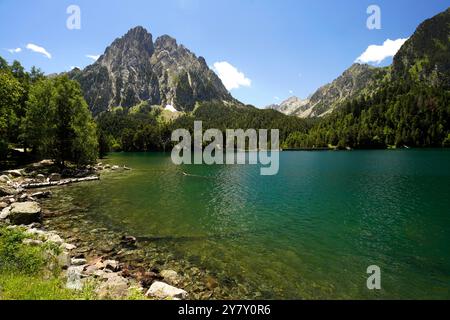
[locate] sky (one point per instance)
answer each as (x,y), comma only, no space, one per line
(264,50)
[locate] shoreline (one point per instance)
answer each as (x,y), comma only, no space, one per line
(23,193)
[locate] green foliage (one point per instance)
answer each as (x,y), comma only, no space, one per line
(143,131)
(16,257)
(11,93)
(446,142)
(24,271)
(398,114)
(58,122)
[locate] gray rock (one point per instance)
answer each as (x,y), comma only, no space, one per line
(78,262)
(5,213)
(68,246)
(74,278)
(3,205)
(115,287)
(25,213)
(4,178)
(161,290)
(170,276)
(55,238)
(7,191)
(63,259)
(111,265)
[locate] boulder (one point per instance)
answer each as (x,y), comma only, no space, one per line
(4,178)
(55,238)
(111,265)
(115,168)
(115,287)
(7,191)
(3,205)
(54,177)
(74,281)
(64,259)
(161,290)
(5,213)
(25,213)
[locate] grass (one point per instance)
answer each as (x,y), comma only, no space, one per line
(31,272)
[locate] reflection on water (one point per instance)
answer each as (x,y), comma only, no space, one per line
(309,232)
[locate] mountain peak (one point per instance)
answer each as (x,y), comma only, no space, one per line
(134,70)
(166,42)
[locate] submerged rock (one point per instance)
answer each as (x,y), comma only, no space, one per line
(170,276)
(161,290)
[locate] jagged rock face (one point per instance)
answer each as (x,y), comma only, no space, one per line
(425,56)
(328,97)
(133,69)
(350,83)
(184,78)
(290,105)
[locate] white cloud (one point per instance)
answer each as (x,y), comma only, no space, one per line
(377,54)
(93,56)
(17,50)
(277,98)
(291,92)
(231,77)
(38,49)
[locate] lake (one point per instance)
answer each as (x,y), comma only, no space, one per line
(309,232)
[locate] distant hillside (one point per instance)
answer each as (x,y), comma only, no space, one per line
(407,104)
(351,83)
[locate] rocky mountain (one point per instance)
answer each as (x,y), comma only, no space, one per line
(425,56)
(134,69)
(325,99)
(289,106)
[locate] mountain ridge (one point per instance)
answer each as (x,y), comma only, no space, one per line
(135,69)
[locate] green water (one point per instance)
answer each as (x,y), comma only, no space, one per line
(309,232)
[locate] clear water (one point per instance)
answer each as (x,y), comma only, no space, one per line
(309,232)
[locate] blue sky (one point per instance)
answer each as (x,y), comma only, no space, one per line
(282,48)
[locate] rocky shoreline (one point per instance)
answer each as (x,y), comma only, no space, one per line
(112,278)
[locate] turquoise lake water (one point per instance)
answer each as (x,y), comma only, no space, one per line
(309,232)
